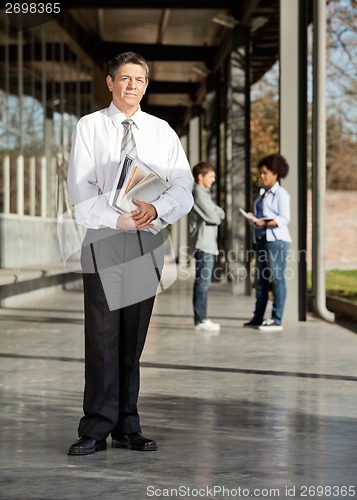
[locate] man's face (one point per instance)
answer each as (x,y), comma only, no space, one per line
(208,179)
(128,87)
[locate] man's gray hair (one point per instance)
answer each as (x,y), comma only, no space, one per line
(127,58)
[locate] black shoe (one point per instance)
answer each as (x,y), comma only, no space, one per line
(86,446)
(252,323)
(135,441)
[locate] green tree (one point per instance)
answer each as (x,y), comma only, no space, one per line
(264,126)
(340,156)
(341,94)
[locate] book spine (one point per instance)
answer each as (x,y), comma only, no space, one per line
(129,182)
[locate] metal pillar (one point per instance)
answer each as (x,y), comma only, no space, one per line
(319,163)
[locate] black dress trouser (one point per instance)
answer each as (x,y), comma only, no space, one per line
(121,270)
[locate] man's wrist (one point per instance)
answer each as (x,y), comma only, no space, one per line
(156,215)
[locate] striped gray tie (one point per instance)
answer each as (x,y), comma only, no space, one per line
(128,147)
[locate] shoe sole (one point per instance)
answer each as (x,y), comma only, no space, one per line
(207,329)
(99,447)
(271,328)
(147,447)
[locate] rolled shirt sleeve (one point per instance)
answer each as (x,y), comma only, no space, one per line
(92,208)
(283,216)
(177,201)
(205,207)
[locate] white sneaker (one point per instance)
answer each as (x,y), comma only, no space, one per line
(208,325)
(269,325)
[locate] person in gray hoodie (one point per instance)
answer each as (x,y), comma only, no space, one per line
(205,217)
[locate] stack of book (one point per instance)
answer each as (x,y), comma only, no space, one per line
(136,180)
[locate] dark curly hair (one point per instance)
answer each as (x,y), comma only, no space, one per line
(276,164)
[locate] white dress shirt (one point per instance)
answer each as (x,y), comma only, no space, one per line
(95,157)
(276,205)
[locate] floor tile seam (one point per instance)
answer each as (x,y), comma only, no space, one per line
(202,368)
(249,371)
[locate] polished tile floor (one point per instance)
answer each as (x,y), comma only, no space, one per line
(240,414)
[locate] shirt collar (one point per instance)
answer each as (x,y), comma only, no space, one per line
(118,117)
(197,186)
(273,189)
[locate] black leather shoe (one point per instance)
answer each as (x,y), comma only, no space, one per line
(252,323)
(86,446)
(135,441)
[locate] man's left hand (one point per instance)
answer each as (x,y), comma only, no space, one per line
(147,213)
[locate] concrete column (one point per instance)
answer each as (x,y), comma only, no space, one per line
(182,226)
(49,164)
(20,185)
(43,186)
(194,141)
(212,121)
(20,88)
(194,149)
(293,145)
(6,184)
(32,187)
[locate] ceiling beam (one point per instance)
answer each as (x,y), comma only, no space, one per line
(155,87)
(162,87)
(153,4)
(247,8)
(232,40)
(104,51)
(174,115)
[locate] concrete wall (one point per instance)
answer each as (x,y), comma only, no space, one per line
(340,230)
(28,241)
(31,241)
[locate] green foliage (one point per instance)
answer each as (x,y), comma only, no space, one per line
(340,283)
(341,93)
(264,128)
(340,156)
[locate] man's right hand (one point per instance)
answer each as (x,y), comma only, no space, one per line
(126,222)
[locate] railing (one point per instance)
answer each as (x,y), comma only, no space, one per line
(28,185)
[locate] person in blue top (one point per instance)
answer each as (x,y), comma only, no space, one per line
(272,241)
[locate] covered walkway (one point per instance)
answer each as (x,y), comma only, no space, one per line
(249,412)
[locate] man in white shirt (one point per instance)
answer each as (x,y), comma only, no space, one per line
(121,258)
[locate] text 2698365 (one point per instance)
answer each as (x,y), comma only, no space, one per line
(32,8)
